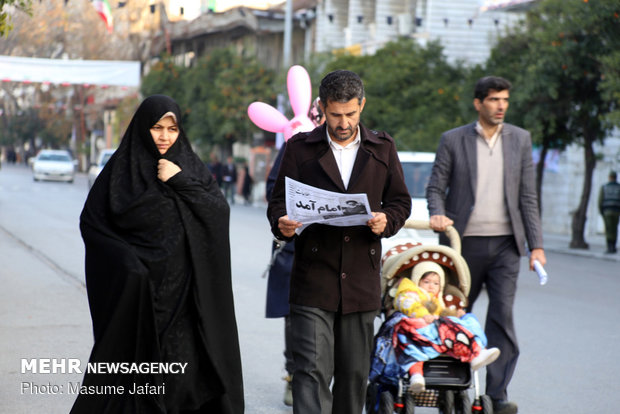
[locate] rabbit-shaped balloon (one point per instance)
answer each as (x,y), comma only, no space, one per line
(270,119)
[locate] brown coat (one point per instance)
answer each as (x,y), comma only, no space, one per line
(338,267)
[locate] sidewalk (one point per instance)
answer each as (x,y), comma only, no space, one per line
(558,243)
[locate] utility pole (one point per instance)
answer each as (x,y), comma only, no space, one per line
(288,32)
(286,61)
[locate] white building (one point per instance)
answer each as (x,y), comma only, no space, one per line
(363,26)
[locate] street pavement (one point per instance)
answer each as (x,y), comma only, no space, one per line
(559,243)
(566,328)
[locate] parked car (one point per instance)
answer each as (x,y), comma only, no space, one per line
(417,168)
(96,168)
(53,165)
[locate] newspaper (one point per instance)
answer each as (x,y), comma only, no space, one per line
(308,205)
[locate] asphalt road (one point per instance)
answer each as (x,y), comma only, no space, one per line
(568,329)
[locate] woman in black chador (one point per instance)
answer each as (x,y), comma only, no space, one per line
(155,229)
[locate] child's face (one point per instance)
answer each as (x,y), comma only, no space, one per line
(430,283)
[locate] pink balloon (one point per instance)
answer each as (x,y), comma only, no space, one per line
(270,119)
(299,90)
(267,117)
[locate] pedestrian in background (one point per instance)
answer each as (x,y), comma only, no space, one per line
(335,290)
(215,166)
(229,179)
(155,228)
(246,188)
(483,183)
(609,206)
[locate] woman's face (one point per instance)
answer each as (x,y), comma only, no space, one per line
(165,133)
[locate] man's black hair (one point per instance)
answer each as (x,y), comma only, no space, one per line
(484,85)
(341,86)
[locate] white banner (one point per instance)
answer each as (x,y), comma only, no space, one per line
(63,71)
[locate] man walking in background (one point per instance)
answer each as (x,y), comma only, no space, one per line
(609,206)
(229,180)
(483,183)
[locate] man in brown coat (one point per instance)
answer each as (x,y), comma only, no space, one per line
(335,284)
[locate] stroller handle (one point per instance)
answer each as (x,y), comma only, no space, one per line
(450,232)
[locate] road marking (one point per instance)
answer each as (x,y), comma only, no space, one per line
(65,274)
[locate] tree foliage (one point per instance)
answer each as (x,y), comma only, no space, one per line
(26,123)
(6,22)
(563,63)
(165,78)
(412,92)
(55,29)
(610,79)
(215,94)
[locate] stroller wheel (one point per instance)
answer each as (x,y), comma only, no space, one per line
(409,406)
(386,403)
(487,404)
(462,403)
(371,398)
(445,402)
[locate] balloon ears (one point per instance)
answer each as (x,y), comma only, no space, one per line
(267,117)
(299,90)
(270,119)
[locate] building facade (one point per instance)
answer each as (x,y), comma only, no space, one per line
(363,26)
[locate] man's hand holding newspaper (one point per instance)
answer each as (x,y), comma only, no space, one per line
(306,205)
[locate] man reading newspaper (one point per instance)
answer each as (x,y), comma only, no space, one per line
(335,284)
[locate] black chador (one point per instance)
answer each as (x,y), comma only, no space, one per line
(158,278)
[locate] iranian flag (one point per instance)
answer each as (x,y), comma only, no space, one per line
(105,11)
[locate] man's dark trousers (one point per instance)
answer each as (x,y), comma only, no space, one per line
(494,261)
(611,229)
(343,345)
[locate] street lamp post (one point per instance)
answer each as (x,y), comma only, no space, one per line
(288,31)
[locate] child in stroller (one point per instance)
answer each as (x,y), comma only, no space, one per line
(432,329)
(393,385)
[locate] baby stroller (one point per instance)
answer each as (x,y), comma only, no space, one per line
(447,379)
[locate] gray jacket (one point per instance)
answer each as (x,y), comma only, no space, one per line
(452,186)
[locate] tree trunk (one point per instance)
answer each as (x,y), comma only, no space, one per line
(579,215)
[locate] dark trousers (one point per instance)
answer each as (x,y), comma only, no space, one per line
(289,365)
(330,346)
(494,262)
(229,189)
(611,227)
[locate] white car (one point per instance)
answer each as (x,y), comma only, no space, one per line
(417,168)
(95,169)
(54,165)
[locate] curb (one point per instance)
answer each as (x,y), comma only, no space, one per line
(594,252)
